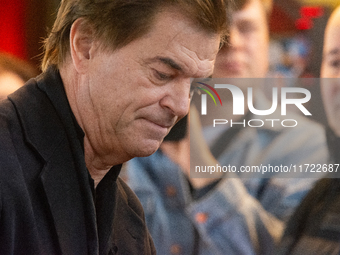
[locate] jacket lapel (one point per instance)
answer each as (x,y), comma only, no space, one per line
(65,182)
(130,231)
(65,178)
(62,189)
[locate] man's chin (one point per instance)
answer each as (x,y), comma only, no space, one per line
(147,149)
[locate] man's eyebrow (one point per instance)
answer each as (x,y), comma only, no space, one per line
(169,62)
(333,52)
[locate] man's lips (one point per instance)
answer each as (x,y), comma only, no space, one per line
(160,125)
(165,122)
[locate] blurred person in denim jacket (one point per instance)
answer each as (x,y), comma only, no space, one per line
(224,215)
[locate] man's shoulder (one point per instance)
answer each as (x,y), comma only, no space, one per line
(303,121)
(291,121)
(10,131)
(28,96)
(30,120)
(7,113)
(303,128)
(26,101)
(296,129)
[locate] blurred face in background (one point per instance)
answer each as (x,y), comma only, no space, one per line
(246,56)
(330,68)
(9,82)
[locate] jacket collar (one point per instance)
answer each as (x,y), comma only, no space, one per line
(65,177)
(43,135)
(50,133)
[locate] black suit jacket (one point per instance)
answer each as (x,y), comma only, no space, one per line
(47,205)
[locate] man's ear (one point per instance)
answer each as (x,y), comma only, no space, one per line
(81,42)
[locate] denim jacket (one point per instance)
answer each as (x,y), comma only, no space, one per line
(237,215)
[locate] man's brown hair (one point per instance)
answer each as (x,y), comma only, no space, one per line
(267,5)
(119,22)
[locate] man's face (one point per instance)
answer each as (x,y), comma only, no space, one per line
(247,54)
(331,69)
(131,97)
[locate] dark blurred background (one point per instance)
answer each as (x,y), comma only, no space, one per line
(296,31)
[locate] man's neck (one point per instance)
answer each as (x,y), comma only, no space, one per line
(95,164)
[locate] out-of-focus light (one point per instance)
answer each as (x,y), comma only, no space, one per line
(311,11)
(304,23)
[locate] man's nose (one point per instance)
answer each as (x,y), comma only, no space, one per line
(235,38)
(177,99)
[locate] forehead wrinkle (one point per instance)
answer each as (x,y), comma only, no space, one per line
(185,65)
(205,69)
(201,67)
